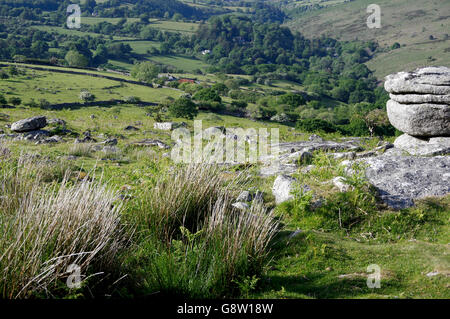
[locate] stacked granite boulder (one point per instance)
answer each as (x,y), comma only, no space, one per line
(419,106)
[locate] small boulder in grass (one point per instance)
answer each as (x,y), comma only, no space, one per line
(282,188)
(30,124)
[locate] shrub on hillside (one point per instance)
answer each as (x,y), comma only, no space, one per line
(207,95)
(316,125)
(183,107)
(145,71)
(87,96)
(16,101)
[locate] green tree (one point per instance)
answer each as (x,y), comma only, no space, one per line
(315,125)
(145,71)
(76,59)
(183,107)
(207,95)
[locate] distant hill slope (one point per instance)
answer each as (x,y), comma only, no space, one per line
(422,28)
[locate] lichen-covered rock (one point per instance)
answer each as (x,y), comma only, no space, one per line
(400,180)
(430,80)
(29,124)
(420,119)
(284,186)
(340,183)
(423,147)
(244,196)
(420,98)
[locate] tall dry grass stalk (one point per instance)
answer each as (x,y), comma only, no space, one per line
(183,198)
(44,230)
(241,233)
(5,152)
(81,150)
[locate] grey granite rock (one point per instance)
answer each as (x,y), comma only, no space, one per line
(420,98)
(423,147)
(29,124)
(244,196)
(340,183)
(420,119)
(430,80)
(282,188)
(400,180)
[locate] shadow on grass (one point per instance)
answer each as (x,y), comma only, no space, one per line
(308,254)
(325,286)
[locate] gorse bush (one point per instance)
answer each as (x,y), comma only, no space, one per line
(46,229)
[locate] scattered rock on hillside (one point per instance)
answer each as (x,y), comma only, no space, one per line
(343,155)
(310,146)
(131,128)
(110,141)
(150,142)
(35,135)
(56,122)
(290,152)
(302,157)
(86,139)
(282,188)
(50,140)
(29,124)
(402,179)
(340,183)
(241,205)
(244,196)
(315,138)
(271,170)
(423,146)
(168,126)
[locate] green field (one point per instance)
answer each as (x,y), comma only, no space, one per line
(174,26)
(65,88)
(141,47)
(95,20)
(180,62)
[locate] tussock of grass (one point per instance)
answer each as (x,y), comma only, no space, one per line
(193,242)
(46,229)
(81,150)
(181,198)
